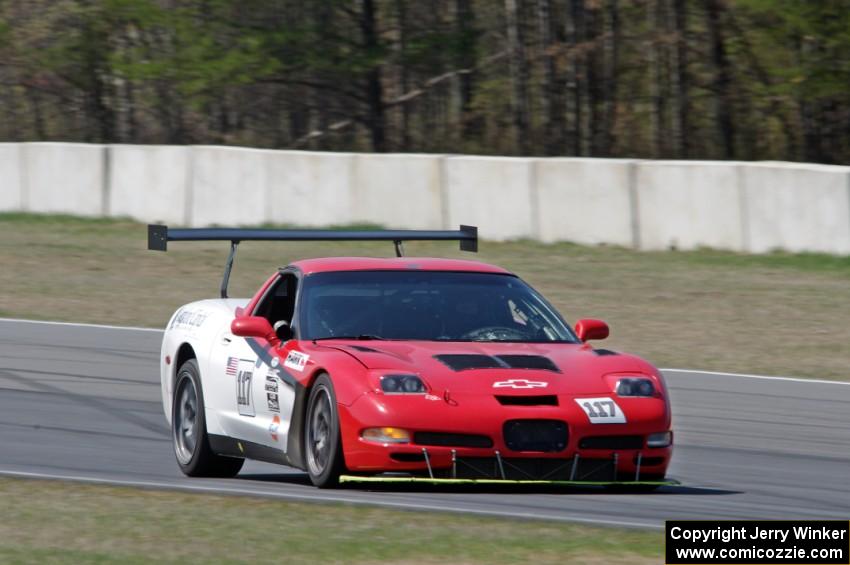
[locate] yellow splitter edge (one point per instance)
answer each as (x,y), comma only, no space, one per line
(426,480)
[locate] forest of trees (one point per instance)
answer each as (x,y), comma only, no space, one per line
(680,79)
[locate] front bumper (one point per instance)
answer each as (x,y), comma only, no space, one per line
(625,458)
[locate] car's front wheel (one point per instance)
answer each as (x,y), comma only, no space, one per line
(189,429)
(322,444)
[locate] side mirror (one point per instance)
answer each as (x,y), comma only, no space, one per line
(253,326)
(591,329)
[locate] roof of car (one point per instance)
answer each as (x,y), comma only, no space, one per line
(330,264)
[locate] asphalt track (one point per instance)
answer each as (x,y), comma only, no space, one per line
(83,403)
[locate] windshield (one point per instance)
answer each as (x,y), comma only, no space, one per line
(427,305)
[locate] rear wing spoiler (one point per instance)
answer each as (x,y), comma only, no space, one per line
(160,235)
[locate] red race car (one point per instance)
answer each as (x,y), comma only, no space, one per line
(404,368)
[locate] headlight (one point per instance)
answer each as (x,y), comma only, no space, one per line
(662,439)
(635,387)
(386,435)
(402,384)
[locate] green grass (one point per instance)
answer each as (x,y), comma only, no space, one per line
(779,314)
(45,521)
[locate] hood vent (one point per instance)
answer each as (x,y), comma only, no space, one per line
(463,362)
(528,362)
(604,352)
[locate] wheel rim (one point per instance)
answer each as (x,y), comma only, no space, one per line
(185,422)
(319,432)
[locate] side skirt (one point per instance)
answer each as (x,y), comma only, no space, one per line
(231,447)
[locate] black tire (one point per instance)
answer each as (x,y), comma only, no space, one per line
(189,429)
(322,444)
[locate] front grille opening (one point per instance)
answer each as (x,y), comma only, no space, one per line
(611,442)
(537,400)
(407,457)
(462,362)
(444,439)
(536,435)
(528,362)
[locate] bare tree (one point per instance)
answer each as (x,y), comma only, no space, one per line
(723,98)
(519,73)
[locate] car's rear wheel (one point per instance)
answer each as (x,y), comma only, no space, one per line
(189,429)
(322,444)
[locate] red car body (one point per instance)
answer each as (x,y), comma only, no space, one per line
(466,402)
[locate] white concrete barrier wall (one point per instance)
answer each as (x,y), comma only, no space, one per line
(585,201)
(65,178)
(399,191)
(309,188)
(148,183)
(751,207)
(689,204)
(228,186)
(493,193)
(10,177)
(797,207)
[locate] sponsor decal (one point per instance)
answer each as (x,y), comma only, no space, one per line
(602,410)
(189,319)
(520,383)
(232,366)
(273,402)
(274,427)
(271,384)
(296,360)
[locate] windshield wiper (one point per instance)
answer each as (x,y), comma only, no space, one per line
(361,337)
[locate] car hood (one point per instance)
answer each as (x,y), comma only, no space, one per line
(498,368)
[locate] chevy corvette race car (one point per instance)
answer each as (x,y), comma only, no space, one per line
(420,368)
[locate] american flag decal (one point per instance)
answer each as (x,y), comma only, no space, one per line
(232,366)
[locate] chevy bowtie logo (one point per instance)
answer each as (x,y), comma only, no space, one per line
(520,383)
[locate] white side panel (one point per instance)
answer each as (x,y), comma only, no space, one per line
(197,324)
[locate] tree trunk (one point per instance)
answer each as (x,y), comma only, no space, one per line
(551,98)
(611,57)
(403,78)
(519,74)
(656,111)
(722,78)
(466,55)
(374,91)
(680,130)
(572,30)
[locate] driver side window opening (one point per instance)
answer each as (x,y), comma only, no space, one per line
(278,305)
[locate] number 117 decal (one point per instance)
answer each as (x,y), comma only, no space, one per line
(602,410)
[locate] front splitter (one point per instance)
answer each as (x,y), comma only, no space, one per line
(353,479)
